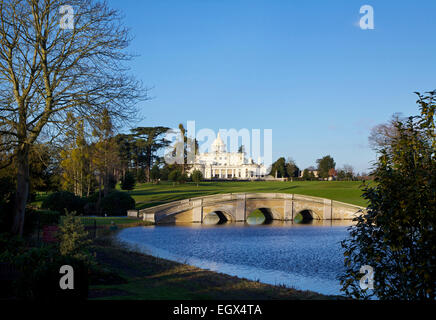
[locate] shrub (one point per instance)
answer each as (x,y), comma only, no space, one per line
(90,208)
(396,235)
(48,217)
(39,218)
(31,219)
(40,275)
(117,203)
(177,176)
(164,172)
(6,203)
(10,246)
(93,198)
(140,176)
(73,238)
(196,176)
(155,173)
(183,178)
(59,201)
(128,183)
(174,175)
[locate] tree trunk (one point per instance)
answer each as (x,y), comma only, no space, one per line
(148,164)
(106,183)
(22,192)
(147,173)
(99,194)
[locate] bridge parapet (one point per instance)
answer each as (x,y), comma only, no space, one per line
(237,206)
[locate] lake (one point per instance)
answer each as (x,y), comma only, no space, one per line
(301,256)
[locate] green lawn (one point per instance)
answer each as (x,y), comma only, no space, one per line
(105,221)
(147,194)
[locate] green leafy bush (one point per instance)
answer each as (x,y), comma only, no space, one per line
(396,235)
(48,217)
(30,220)
(38,219)
(174,175)
(39,275)
(10,246)
(155,174)
(59,201)
(197,176)
(7,196)
(177,176)
(117,203)
(73,237)
(128,183)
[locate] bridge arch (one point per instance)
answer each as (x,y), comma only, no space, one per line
(305,216)
(238,206)
(218,217)
(269,214)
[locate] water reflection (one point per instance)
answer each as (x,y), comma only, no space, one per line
(305,256)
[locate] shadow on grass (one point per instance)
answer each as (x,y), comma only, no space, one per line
(150,277)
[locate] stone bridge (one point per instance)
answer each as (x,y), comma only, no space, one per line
(236,207)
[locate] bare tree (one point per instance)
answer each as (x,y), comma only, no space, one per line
(349,171)
(382,135)
(48,73)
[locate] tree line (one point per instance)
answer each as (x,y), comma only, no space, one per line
(326,168)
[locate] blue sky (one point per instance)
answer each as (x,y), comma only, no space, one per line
(301,68)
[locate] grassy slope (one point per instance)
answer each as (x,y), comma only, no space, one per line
(147,194)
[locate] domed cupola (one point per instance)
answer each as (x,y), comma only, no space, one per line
(218,145)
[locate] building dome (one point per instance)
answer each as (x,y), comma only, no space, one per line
(220,164)
(218,145)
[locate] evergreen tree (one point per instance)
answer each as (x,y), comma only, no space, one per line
(155,173)
(128,182)
(185,150)
(74,240)
(175,175)
(125,146)
(149,141)
(324,165)
(292,169)
(306,174)
(197,176)
(396,235)
(279,167)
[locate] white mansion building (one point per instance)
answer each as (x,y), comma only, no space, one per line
(220,164)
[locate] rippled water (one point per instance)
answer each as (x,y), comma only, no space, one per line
(307,257)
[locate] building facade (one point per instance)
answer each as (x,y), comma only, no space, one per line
(220,164)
